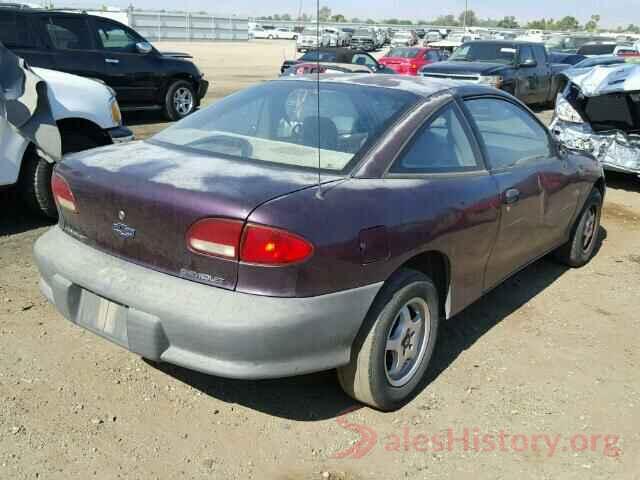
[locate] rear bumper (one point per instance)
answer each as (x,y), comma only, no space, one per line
(216,331)
(203,88)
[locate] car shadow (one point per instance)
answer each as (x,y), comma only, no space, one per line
(318,397)
(15,218)
(628,182)
(140,118)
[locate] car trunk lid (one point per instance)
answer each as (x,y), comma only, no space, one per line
(138,201)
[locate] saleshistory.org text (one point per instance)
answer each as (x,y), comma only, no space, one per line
(474,439)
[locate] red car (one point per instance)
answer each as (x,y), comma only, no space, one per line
(409,60)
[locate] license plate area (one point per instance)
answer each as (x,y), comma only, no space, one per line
(103,317)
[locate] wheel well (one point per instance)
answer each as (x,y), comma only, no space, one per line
(181,76)
(600,186)
(437,267)
(79,127)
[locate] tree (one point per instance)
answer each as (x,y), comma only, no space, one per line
(445,21)
(592,25)
(325,13)
(339,18)
(356,20)
(286,17)
(468,18)
(633,28)
(567,23)
(538,24)
(508,22)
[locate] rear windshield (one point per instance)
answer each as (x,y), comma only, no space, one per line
(599,49)
(592,62)
(315,56)
(404,52)
(278,122)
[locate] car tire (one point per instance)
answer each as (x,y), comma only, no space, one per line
(180,100)
(583,242)
(373,375)
(35,185)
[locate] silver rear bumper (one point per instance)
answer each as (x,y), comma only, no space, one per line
(212,330)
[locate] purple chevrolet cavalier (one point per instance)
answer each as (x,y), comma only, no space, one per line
(281,232)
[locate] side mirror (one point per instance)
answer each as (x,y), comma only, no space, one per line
(144,48)
(528,63)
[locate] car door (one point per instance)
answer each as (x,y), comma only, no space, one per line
(136,77)
(543,70)
(526,83)
(449,198)
(533,188)
(71,43)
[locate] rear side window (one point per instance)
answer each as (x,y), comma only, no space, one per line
(361,59)
(526,54)
(115,38)
(441,146)
(432,56)
(540,54)
(14,32)
(68,33)
(511,135)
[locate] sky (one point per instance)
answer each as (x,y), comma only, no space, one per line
(613,12)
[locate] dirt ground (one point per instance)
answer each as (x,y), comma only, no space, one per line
(538,380)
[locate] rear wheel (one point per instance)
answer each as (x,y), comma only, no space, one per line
(180,100)
(584,238)
(35,185)
(392,352)
(35,177)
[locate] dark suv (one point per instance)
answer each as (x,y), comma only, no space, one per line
(101,48)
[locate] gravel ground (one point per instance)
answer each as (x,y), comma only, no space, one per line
(544,369)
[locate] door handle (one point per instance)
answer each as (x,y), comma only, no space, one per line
(111,60)
(511,196)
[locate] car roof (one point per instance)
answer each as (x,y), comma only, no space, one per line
(420,86)
(505,42)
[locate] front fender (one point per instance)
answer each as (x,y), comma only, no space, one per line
(77,97)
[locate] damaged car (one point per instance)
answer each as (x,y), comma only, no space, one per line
(599,113)
(45,114)
(335,228)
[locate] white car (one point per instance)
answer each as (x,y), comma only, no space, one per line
(338,37)
(87,115)
(285,34)
(310,38)
(261,33)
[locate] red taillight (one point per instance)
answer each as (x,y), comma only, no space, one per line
(257,244)
(62,194)
(271,246)
(218,237)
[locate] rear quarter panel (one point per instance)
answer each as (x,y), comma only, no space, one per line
(457,216)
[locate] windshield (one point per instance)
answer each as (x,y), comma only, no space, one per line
(404,52)
(278,123)
(485,52)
